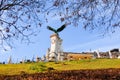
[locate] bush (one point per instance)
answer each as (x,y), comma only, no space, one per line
(50,69)
(38,67)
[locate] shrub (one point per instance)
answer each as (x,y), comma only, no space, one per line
(38,67)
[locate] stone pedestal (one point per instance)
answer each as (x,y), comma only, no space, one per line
(55,53)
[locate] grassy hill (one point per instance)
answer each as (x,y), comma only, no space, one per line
(13,69)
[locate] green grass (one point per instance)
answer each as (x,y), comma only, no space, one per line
(13,69)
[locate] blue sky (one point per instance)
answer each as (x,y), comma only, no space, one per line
(75,39)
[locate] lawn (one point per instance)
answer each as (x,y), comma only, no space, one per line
(13,69)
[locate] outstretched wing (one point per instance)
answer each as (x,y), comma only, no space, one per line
(52,29)
(61,28)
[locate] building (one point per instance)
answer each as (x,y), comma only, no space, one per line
(113,53)
(77,56)
(55,52)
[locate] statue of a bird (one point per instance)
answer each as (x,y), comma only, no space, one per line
(56,30)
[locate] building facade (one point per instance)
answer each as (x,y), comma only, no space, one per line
(55,52)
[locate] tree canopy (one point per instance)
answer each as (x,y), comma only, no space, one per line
(18,18)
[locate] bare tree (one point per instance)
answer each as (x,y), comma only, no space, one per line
(19,19)
(91,14)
